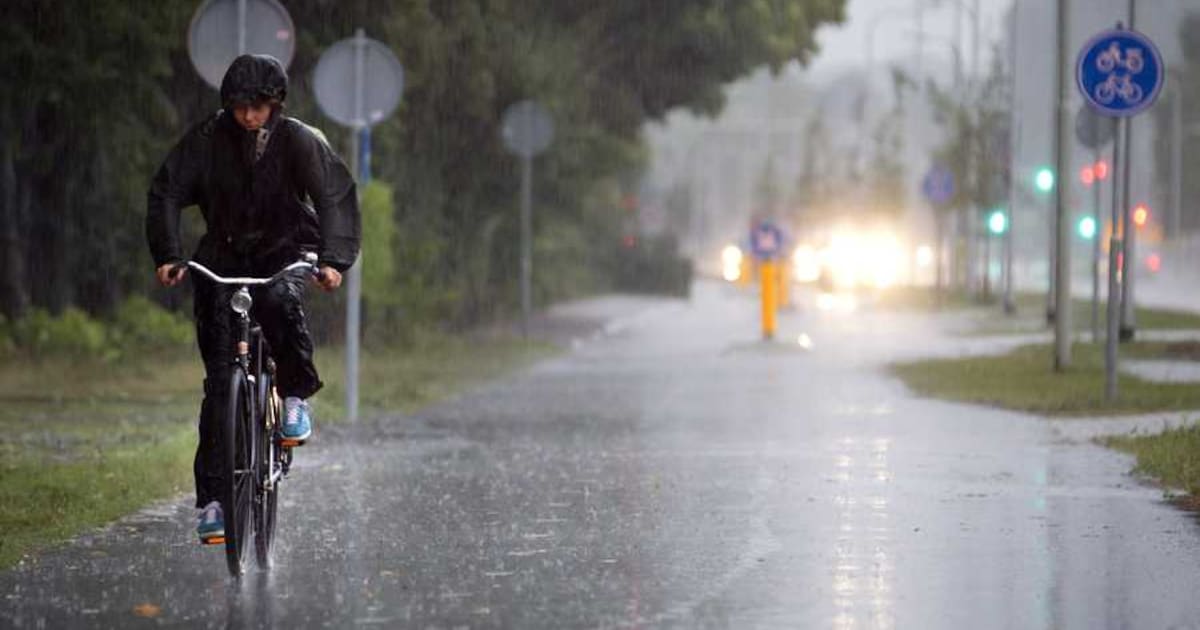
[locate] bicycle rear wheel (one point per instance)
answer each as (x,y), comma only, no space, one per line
(267,501)
(241,436)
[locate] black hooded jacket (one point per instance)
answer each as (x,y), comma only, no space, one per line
(261,215)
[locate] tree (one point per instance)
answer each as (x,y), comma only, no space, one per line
(96,93)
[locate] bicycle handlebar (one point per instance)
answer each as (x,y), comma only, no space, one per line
(219,279)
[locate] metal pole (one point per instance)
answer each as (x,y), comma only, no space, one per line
(241,27)
(361,167)
(1114,277)
(920,6)
(1062,321)
(1177,159)
(1096,185)
(1014,140)
(1129,265)
(526,241)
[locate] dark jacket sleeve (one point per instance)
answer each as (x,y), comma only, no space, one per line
(328,182)
(173,188)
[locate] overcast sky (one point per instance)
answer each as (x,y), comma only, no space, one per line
(892,24)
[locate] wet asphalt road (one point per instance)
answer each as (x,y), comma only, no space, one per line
(676,473)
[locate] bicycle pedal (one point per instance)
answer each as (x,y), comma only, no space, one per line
(216,540)
(286,443)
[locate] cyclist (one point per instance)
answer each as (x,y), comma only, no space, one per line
(270,189)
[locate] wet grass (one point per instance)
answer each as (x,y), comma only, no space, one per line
(1030,317)
(1023,380)
(85,442)
(1171,457)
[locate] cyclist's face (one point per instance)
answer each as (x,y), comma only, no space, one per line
(252,116)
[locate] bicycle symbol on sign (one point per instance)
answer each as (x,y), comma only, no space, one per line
(1111,59)
(1116,85)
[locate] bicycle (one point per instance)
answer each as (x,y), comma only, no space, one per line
(257,456)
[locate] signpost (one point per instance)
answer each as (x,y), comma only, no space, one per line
(766,245)
(938,188)
(358,83)
(223,30)
(527,130)
(1094,131)
(1120,73)
(938,185)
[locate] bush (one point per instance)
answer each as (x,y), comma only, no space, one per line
(138,325)
(143,325)
(72,332)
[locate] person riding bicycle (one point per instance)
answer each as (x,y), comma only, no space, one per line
(270,189)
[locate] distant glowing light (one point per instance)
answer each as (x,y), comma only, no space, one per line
(998,222)
(924,256)
(804,341)
(1087,228)
(1087,175)
(1141,214)
(806,264)
(1101,169)
(1044,180)
(1154,262)
(731,263)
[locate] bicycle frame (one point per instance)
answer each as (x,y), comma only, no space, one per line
(268,462)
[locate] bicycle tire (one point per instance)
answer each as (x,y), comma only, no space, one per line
(266,504)
(240,437)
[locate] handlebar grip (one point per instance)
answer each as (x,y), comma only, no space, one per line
(176,269)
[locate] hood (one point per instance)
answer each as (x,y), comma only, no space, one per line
(253,77)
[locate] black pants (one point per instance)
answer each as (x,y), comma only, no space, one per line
(279,309)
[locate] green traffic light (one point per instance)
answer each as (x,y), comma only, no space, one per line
(1044,179)
(997,222)
(1087,228)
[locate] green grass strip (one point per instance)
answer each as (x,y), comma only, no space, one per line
(43,501)
(83,443)
(1172,457)
(1024,380)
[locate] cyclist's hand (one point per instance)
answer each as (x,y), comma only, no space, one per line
(165,276)
(328,278)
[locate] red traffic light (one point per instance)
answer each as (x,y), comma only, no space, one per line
(1141,214)
(1087,175)
(1100,169)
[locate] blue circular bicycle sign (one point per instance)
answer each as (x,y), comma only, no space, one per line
(1120,72)
(766,240)
(938,185)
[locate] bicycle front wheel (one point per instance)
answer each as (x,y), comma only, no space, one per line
(269,460)
(240,436)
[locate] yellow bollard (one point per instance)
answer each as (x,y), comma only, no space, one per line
(769,274)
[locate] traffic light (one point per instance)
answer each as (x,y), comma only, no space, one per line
(1087,228)
(1101,170)
(997,221)
(1044,179)
(1141,214)
(1087,175)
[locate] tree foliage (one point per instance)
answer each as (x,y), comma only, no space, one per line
(96,92)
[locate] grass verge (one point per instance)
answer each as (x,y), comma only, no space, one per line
(1172,457)
(84,442)
(1023,380)
(1031,318)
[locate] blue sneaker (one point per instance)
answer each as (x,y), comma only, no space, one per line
(212,524)
(297,421)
